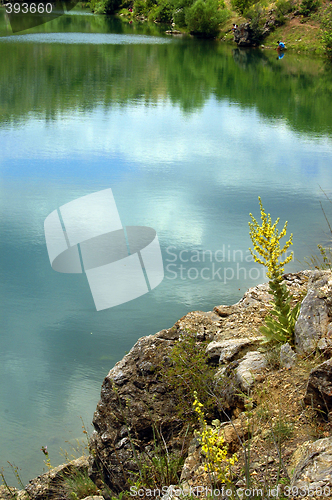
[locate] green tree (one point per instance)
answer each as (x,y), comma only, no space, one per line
(241,5)
(309,6)
(327,30)
(204,17)
(162,12)
(104,6)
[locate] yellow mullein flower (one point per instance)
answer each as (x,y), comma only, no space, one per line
(266,243)
(280,323)
(213,446)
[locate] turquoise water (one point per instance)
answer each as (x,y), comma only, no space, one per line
(187,135)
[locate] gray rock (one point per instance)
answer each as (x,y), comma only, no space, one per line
(192,462)
(12,493)
(218,376)
(226,350)
(312,323)
(252,364)
(224,311)
(94,497)
(319,387)
(43,486)
(243,35)
(213,350)
(132,408)
(287,356)
(313,466)
(135,399)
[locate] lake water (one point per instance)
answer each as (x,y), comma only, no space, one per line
(187,134)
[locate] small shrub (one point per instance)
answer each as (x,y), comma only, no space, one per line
(241,5)
(184,380)
(78,486)
(98,7)
(180,17)
(104,6)
(273,358)
(283,7)
(263,414)
(309,6)
(322,261)
(140,8)
(159,467)
(257,20)
(151,4)
(327,30)
(281,431)
(162,13)
(204,17)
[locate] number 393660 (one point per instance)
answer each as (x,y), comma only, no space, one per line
(25,8)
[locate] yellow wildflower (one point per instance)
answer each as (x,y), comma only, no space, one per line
(266,243)
(213,446)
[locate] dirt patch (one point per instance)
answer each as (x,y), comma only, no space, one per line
(279,422)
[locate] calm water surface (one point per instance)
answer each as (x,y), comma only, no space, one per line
(187,134)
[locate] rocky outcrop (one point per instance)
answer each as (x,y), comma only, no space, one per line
(228,350)
(319,388)
(250,34)
(313,468)
(48,486)
(311,329)
(10,493)
(287,356)
(253,363)
(243,36)
(136,401)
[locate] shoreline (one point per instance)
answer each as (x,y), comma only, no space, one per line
(137,371)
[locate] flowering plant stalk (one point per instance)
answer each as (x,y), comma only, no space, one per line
(280,323)
(213,447)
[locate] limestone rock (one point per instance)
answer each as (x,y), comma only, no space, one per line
(204,324)
(22,495)
(128,411)
(325,343)
(314,466)
(45,486)
(312,323)
(13,493)
(242,320)
(287,356)
(319,387)
(227,350)
(235,433)
(94,497)
(252,363)
(225,311)
(298,456)
(134,398)
(243,35)
(192,462)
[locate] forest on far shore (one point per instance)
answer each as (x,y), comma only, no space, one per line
(215,18)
